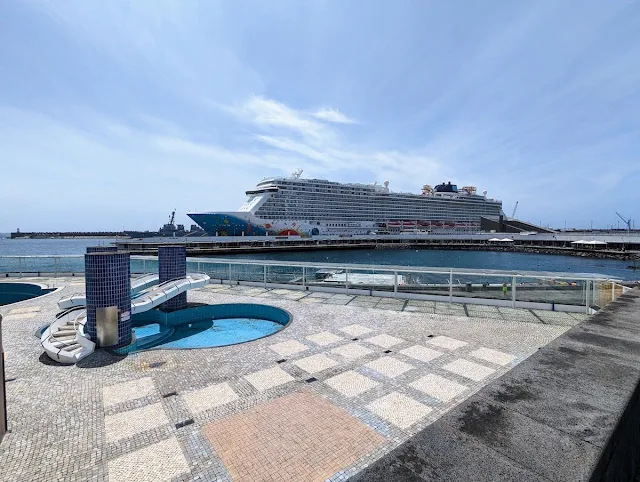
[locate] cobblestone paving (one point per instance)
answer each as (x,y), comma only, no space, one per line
(348,380)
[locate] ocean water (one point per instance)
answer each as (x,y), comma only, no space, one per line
(400,257)
(33,247)
(458,259)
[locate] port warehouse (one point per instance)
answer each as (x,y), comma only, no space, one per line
(562,243)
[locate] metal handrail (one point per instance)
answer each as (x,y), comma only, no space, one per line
(359,267)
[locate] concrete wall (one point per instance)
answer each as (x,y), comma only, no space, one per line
(3,393)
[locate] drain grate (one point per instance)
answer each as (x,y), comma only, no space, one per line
(281,361)
(311,380)
(156,364)
(13,379)
(354,339)
(387,351)
(170,394)
(185,423)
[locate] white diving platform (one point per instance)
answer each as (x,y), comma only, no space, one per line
(66,341)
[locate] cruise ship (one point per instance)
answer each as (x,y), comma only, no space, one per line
(289,206)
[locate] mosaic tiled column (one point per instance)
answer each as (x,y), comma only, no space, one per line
(172,264)
(108,281)
(102,249)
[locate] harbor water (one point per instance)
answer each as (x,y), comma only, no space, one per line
(400,257)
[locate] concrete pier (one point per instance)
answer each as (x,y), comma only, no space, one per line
(615,246)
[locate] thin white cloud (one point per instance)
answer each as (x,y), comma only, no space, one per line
(268,113)
(323,146)
(332,115)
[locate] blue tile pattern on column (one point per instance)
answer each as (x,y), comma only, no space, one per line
(102,249)
(108,281)
(172,264)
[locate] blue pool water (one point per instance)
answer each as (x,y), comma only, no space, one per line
(146,330)
(206,326)
(14,292)
(210,334)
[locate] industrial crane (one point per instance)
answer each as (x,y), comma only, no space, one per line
(513,215)
(626,221)
(173,216)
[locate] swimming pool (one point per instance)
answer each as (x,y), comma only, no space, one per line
(14,292)
(207,326)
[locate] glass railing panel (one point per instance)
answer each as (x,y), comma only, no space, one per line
(216,271)
(482,286)
(145,265)
(247,272)
(551,291)
(10,265)
(604,292)
(39,265)
(423,283)
(362,279)
(282,274)
(69,265)
(316,276)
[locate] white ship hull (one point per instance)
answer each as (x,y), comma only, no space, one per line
(311,207)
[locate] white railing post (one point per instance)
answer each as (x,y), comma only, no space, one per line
(55,267)
(144,266)
(451,286)
(198,266)
(20,266)
(613,291)
(229,275)
(346,281)
(395,284)
(304,278)
(265,276)
(513,292)
(586,297)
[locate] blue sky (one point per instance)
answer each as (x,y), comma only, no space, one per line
(114,113)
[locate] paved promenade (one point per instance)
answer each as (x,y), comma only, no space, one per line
(349,380)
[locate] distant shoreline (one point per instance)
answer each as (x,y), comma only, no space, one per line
(71,237)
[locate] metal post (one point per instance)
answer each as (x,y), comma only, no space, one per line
(229,276)
(55,267)
(613,291)
(265,276)
(20,266)
(304,277)
(451,286)
(144,266)
(395,284)
(586,297)
(198,265)
(513,292)
(346,281)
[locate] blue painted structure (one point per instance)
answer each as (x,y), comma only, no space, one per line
(172,264)
(220,224)
(107,276)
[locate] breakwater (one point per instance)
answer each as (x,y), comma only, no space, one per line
(68,235)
